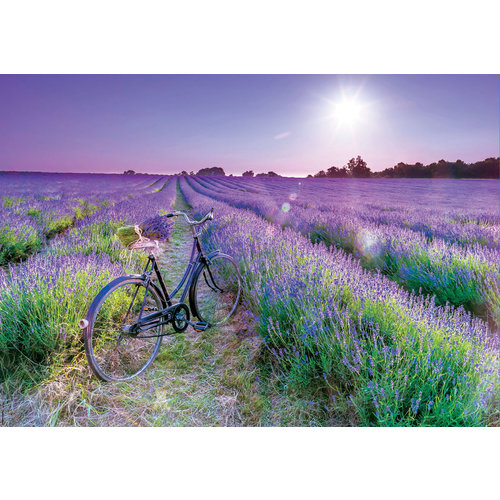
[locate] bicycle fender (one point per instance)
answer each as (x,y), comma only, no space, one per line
(211,255)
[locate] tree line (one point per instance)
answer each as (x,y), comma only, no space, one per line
(357,167)
(218,171)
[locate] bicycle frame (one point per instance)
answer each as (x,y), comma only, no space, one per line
(149,321)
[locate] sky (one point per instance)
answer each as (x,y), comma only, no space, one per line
(292,124)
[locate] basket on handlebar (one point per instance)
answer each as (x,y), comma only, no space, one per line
(147,235)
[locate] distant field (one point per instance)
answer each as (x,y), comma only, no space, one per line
(377,299)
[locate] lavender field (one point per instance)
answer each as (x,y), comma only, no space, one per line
(376,302)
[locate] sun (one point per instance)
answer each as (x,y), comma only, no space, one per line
(348,111)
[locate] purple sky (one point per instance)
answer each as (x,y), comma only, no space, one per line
(285,123)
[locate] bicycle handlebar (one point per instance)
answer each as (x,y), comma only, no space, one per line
(208,216)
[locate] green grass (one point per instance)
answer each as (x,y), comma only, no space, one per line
(86,209)
(58,225)
(11,201)
(33,212)
(14,247)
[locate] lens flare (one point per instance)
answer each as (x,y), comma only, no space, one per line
(368,243)
(285,207)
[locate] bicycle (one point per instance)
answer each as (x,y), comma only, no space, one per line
(124,326)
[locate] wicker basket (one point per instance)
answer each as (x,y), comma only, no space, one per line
(131,237)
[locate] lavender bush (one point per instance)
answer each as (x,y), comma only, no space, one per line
(395,357)
(42,299)
(352,283)
(461,268)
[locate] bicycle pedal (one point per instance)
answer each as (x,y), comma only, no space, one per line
(201,326)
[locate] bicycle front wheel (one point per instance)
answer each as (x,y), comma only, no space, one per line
(216,290)
(113,350)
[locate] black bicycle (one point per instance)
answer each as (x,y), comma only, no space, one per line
(127,320)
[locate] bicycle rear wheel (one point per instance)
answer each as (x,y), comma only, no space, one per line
(216,290)
(113,352)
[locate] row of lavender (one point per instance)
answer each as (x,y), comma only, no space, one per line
(369,348)
(42,298)
(455,272)
(35,207)
(458,211)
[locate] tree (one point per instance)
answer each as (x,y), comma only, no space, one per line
(269,174)
(128,172)
(358,168)
(337,172)
(485,169)
(320,174)
(214,171)
(248,173)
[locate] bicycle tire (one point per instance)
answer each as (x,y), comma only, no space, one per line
(140,351)
(208,303)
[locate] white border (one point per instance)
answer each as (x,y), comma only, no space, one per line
(253,37)
(250,463)
(263,36)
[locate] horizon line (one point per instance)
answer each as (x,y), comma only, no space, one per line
(305,176)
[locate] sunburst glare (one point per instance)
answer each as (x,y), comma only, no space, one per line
(348,111)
